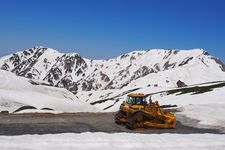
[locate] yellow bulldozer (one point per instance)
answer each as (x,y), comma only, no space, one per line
(135,112)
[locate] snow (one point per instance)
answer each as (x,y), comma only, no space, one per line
(116,141)
(207,114)
(16,92)
(208,108)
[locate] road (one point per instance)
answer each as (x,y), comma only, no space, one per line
(19,124)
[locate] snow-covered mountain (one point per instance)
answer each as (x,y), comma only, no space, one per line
(150,68)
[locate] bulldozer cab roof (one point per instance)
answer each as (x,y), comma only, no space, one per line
(137,95)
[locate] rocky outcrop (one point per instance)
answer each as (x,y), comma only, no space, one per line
(181,84)
(220,63)
(185,61)
(141,72)
(167,65)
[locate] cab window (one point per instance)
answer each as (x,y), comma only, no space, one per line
(130,100)
(135,100)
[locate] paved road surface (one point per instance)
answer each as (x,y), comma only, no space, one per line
(18,124)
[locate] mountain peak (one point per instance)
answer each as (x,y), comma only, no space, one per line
(45,49)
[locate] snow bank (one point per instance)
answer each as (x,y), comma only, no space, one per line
(16,92)
(117,141)
(208,115)
(208,108)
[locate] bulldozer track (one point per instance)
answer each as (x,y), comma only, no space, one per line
(138,119)
(118,116)
(18,124)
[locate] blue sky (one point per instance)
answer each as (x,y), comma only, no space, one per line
(101,29)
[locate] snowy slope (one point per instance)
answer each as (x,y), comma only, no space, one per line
(104,99)
(116,141)
(207,108)
(16,92)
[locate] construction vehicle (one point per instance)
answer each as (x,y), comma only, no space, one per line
(135,112)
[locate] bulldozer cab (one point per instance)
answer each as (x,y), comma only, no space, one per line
(136,99)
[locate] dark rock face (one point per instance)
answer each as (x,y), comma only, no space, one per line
(54,74)
(132,58)
(104,77)
(67,82)
(219,62)
(79,72)
(223,68)
(205,53)
(88,85)
(15,60)
(5,67)
(124,56)
(168,55)
(141,72)
(176,52)
(167,65)
(181,84)
(157,68)
(69,63)
(185,61)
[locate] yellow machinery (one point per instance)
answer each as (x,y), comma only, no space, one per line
(135,112)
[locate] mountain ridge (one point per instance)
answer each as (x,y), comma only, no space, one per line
(76,73)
